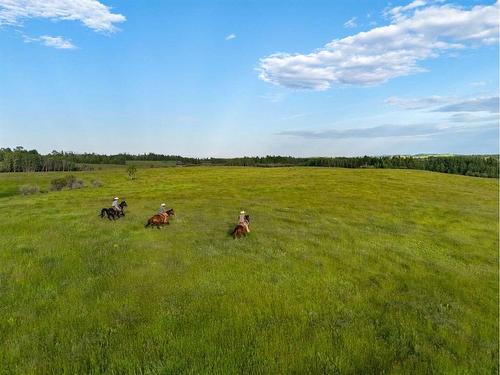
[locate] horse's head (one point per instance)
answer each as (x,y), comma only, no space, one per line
(171,212)
(247,218)
(123,204)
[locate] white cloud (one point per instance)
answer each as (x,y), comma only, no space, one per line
(351,23)
(417,32)
(56,42)
(91,13)
(230,37)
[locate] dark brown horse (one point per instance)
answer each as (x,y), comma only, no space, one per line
(240,229)
(159,220)
(112,213)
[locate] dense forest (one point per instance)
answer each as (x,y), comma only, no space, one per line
(22,160)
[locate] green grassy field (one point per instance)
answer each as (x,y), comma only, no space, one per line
(346,271)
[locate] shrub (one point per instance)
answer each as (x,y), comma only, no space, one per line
(96,183)
(66,181)
(29,189)
(131,171)
(78,184)
(70,179)
(58,184)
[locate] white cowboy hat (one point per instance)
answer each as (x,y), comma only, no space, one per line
(115,198)
(242,212)
(163,204)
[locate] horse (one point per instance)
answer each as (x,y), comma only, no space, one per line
(240,229)
(111,212)
(159,219)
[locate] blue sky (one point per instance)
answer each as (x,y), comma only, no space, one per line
(227,78)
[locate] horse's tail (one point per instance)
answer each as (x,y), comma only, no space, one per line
(233,233)
(103,211)
(148,223)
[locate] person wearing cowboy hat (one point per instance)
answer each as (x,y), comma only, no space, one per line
(162,209)
(243,221)
(115,205)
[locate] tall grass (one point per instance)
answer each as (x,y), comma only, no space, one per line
(345,271)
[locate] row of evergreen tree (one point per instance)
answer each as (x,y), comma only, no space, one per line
(22,160)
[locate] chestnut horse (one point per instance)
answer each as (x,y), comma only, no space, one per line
(241,230)
(159,219)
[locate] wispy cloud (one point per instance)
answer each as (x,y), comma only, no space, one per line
(352,23)
(230,37)
(92,13)
(419,103)
(296,116)
(388,131)
(56,42)
(417,31)
(401,11)
(273,97)
(484,104)
(448,104)
(50,41)
(470,118)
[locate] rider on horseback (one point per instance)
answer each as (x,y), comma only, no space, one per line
(243,221)
(116,206)
(162,209)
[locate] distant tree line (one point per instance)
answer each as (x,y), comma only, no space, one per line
(470,165)
(91,158)
(22,160)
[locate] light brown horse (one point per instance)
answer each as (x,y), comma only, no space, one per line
(159,220)
(240,229)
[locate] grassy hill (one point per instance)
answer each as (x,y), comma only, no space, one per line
(346,271)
